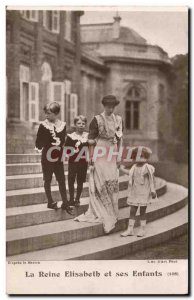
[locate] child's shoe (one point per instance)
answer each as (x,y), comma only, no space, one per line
(129,231)
(52,205)
(67,208)
(77,203)
(141,231)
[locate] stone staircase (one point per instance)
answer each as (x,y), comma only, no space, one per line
(37,233)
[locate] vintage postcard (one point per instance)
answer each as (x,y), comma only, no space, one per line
(97,150)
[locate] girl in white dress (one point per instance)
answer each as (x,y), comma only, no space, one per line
(141,189)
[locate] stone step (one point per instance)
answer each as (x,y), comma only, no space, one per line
(38,214)
(25,168)
(27,181)
(22,158)
(37,195)
(113,246)
(38,237)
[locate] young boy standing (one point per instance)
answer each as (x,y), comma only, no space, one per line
(50,140)
(77,168)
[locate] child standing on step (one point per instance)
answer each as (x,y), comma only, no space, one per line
(50,141)
(77,167)
(141,188)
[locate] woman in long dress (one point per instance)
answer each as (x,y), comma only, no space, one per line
(105,138)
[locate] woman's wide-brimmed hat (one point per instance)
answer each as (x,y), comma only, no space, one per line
(110,100)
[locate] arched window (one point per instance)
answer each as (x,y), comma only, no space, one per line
(46,80)
(132,108)
(46,72)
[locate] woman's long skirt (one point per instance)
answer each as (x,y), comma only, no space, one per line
(103,189)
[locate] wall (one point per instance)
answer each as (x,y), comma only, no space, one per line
(173,172)
(30,44)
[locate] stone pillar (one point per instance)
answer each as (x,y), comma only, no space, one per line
(37,58)
(83,100)
(77,75)
(13,67)
(100,94)
(93,94)
(60,76)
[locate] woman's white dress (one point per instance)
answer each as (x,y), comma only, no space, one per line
(103,178)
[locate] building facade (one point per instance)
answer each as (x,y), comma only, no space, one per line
(50,56)
(43,64)
(139,75)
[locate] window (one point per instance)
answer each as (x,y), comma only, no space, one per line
(31,15)
(132,115)
(132,108)
(51,20)
(68,17)
(61,92)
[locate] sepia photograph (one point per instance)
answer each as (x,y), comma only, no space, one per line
(97,147)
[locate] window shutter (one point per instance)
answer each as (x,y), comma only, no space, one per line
(44,18)
(68,25)
(24,13)
(67,87)
(24,73)
(57,94)
(21,102)
(34,15)
(73,108)
(33,101)
(55,21)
